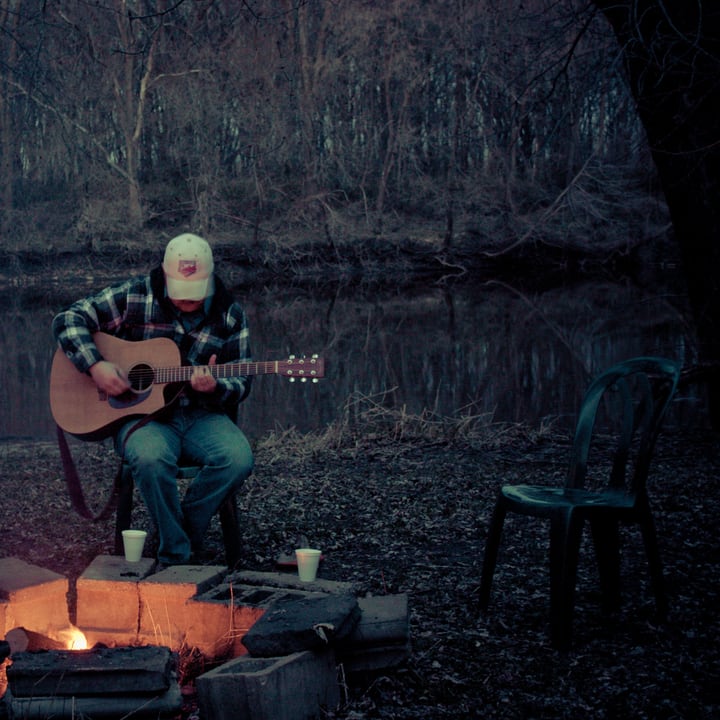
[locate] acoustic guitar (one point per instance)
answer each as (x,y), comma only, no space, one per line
(152,366)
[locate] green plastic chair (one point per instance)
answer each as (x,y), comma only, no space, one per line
(635,395)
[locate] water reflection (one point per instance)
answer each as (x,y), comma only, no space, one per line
(484,349)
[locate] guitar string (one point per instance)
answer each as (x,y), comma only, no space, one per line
(183,372)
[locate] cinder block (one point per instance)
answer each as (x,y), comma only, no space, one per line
(229,610)
(307,623)
(108,600)
(31,597)
(168,615)
(381,639)
(165,705)
(294,687)
(291,580)
(114,568)
(187,580)
(217,629)
(100,671)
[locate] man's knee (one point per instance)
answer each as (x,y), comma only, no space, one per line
(240,456)
(242,461)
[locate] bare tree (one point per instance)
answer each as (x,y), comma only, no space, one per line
(125,43)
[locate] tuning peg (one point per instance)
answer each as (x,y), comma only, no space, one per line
(292,379)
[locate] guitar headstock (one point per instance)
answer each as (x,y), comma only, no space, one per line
(303,369)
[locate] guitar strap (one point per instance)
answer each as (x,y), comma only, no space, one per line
(72,479)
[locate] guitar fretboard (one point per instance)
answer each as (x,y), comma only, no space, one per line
(184,372)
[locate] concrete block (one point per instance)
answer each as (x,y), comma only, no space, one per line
(291,580)
(187,580)
(100,671)
(308,623)
(294,687)
(227,612)
(381,639)
(385,618)
(108,599)
(165,705)
(114,568)
(31,597)
(217,629)
(232,592)
(18,578)
(168,616)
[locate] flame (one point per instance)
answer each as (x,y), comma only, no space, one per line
(73,638)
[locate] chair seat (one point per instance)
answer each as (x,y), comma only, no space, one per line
(539,498)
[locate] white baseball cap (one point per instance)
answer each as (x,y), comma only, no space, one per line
(188,267)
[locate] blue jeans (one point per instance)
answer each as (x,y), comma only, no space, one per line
(206,439)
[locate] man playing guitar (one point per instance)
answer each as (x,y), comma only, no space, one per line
(182,300)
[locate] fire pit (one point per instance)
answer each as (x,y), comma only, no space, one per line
(139,622)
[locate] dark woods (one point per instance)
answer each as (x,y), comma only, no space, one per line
(269,119)
(476,130)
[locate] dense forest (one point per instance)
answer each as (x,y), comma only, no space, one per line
(333,121)
(535,127)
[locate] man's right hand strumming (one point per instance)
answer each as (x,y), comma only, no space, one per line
(109,378)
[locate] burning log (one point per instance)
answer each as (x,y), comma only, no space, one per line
(23,640)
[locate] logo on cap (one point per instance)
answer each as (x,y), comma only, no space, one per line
(187,268)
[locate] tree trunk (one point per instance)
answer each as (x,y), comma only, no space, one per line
(132,97)
(672,58)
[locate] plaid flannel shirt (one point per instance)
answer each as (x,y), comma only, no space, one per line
(138,309)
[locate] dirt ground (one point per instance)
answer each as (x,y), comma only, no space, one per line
(410,516)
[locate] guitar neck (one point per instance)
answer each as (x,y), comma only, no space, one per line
(183,373)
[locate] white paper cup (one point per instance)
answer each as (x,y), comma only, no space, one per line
(133,542)
(307,563)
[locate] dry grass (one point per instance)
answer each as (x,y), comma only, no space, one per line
(365,421)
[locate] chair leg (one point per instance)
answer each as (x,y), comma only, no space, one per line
(123,513)
(606,540)
(230,530)
(647,527)
(565,536)
(492,545)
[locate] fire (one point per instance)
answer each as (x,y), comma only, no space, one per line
(73,638)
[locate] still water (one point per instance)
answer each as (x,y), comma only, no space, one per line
(481,349)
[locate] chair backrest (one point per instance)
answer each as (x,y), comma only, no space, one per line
(639,391)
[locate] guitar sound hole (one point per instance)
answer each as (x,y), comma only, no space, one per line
(140,377)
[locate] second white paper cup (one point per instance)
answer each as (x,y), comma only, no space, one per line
(307,563)
(133,542)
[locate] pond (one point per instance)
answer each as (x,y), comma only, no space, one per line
(476,349)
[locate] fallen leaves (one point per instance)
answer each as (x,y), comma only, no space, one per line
(411,517)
